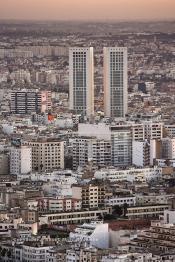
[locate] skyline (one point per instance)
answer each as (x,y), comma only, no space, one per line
(93,10)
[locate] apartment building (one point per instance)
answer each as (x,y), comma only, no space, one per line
(158,239)
(34,251)
(30,101)
(91,194)
(58,204)
(76,217)
(120,200)
(47,154)
(121,144)
(96,151)
(147,130)
(140,153)
(147,211)
(131,174)
(20,160)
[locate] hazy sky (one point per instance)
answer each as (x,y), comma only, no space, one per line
(87,9)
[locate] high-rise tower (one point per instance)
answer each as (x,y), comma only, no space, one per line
(115,81)
(81,80)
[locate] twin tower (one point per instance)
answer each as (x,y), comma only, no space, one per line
(81,81)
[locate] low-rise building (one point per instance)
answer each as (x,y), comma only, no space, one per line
(147,211)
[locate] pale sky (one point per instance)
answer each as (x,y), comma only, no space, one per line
(87,9)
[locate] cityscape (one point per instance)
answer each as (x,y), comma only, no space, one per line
(87,131)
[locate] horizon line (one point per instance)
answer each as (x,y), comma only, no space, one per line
(90,20)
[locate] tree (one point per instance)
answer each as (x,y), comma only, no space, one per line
(117,210)
(9,253)
(3,252)
(125,206)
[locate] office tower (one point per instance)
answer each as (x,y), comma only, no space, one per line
(81,80)
(30,101)
(115,81)
(47,154)
(20,160)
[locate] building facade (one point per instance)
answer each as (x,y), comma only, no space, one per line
(115,81)
(81,80)
(47,154)
(20,160)
(30,101)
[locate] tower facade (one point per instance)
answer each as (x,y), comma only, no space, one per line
(81,80)
(115,81)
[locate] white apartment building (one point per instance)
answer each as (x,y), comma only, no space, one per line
(20,160)
(152,199)
(34,251)
(120,201)
(130,175)
(153,130)
(47,154)
(122,137)
(81,80)
(115,81)
(94,233)
(140,153)
(147,130)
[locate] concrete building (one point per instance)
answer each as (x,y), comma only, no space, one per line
(81,80)
(130,175)
(147,130)
(34,251)
(153,130)
(121,200)
(159,239)
(96,151)
(49,205)
(47,154)
(120,137)
(30,101)
(20,160)
(151,199)
(115,81)
(155,150)
(121,144)
(92,194)
(140,153)
(96,234)
(147,211)
(168,148)
(4,163)
(169,217)
(76,217)
(169,130)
